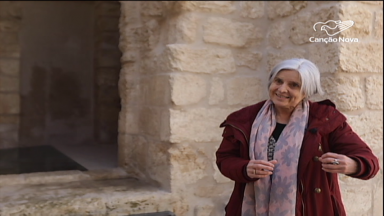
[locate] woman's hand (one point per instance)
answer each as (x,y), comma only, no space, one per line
(338,163)
(260,168)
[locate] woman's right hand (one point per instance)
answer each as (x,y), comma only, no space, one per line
(260,168)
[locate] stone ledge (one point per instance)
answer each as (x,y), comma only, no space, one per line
(122,196)
(61,176)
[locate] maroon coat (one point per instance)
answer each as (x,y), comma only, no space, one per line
(318,192)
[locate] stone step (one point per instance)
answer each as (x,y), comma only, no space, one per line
(92,196)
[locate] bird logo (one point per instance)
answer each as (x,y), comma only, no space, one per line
(338,27)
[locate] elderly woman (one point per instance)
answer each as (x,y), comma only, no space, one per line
(285,153)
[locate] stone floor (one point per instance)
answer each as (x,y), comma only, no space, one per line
(75,193)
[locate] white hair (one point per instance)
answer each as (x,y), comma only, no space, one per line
(309,73)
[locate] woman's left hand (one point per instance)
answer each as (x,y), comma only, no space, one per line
(338,163)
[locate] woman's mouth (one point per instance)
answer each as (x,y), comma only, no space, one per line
(282,96)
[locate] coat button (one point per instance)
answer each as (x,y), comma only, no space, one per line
(317,190)
(316,158)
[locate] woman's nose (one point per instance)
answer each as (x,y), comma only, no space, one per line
(283,88)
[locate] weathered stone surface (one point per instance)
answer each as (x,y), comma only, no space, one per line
(204,209)
(187,165)
(248,59)
(277,36)
(277,9)
(223,31)
(355,58)
(378,25)
(187,89)
(151,8)
(362,25)
(183,29)
(153,31)
(344,91)
(244,90)
(197,125)
(221,7)
(357,205)
(199,60)
(369,126)
(252,9)
(325,56)
(155,91)
(374,92)
(130,15)
(217,91)
(274,57)
(302,27)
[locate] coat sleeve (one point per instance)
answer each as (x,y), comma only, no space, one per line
(345,141)
(229,159)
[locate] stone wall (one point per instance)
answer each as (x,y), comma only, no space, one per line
(10,18)
(188,64)
(107,69)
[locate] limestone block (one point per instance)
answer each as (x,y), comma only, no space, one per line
(220,7)
(204,209)
(158,166)
(10,44)
(374,92)
(153,33)
(249,59)
(244,90)
(150,121)
(151,8)
(217,91)
(183,28)
(324,56)
(10,67)
(362,17)
(378,195)
(344,91)
(132,150)
(128,120)
(372,2)
(275,57)
(197,125)
(129,91)
(188,165)
(130,14)
(378,25)
(155,90)
(187,89)
(223,31)
(277,9)
(10,103)
(277,36)
(357,205)
(302,24)
(252,9)
(358,58)
(9,84)
(181,57)
(369,126)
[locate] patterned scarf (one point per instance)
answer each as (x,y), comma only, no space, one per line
(275,196)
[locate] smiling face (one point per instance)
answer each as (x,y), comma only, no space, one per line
(285,90)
